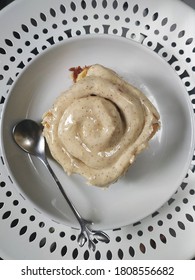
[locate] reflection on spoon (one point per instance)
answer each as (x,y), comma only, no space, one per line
(28,135)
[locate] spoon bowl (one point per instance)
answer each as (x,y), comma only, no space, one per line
(28,135)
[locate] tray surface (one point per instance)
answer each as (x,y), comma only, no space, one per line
(36,28)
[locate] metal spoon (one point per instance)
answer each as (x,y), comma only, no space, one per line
(28,135)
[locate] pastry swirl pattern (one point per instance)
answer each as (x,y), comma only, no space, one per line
(98,126)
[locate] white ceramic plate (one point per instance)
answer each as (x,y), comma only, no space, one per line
(158,171)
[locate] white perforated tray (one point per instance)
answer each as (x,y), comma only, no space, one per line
(168,29)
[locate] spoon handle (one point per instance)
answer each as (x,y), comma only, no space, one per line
(74,210)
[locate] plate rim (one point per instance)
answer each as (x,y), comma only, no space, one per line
(76,40)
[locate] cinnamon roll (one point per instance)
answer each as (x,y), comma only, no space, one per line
(98,126)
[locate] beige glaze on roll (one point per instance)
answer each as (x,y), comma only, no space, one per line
(98,126)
